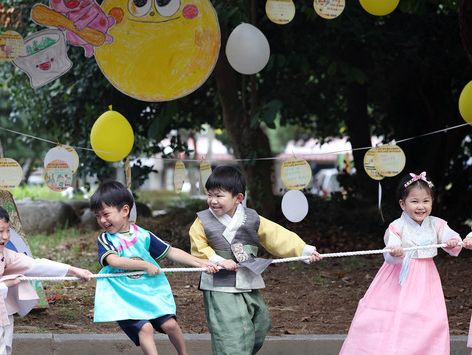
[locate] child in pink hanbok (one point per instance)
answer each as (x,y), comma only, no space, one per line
(403,312)
(468,245)
(19,296)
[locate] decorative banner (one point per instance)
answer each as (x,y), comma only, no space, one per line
(18,241)
(205,172)
(329,9)
(369,164)
(180,173)
(11,45)
(11,173)
(465,103)
(112,136)
(294,206)
(160,52)
(247,49)
(64,153)
(280,12)
(389,160)
(46,57)
(379,7)
(58,175)
(84,23)
(296,174)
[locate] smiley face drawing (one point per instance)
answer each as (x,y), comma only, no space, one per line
(162,49)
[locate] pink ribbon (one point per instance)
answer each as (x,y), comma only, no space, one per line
(415,177)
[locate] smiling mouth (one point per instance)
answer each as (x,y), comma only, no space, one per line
(156,22)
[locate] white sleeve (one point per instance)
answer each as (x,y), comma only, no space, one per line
(445,234)
(307,251)
(46,267)
(3,290)
(392,240)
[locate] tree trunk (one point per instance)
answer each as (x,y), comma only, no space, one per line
(357,122)
(248,142)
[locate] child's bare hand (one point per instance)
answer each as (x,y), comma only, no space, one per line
(211,268)
(452,243)
(152,269)
(315,257)
(467,242)
(397,252)
(81,273)
(12,282)
(228,264)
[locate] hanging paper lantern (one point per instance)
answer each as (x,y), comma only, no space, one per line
(64,153)
(465,102)
(11,173)
(280,12)
(112,137)
(329,9)
(379,7)
(389,160)
(369,164)
(296,173)
(180,174)
(247,49)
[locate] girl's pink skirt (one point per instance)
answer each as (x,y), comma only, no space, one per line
(401,320)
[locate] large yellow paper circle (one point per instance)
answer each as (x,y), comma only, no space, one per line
(160,58)
(111,136)
(465,102)
(379,7)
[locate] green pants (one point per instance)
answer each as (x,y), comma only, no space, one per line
(238,322)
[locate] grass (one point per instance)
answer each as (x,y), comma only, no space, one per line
(39,192)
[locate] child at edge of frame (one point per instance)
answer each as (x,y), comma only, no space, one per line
(404,310)
(468,244)
(143,303)
(19,296)
(229,235)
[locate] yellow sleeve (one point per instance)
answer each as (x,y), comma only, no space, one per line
(278,240)
(198,241)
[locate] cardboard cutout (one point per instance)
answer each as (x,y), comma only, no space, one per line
(46,57)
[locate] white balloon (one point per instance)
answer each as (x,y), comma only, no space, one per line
(247,49)
(294,205)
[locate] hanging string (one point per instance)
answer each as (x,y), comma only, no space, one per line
(199,269)
(444,130)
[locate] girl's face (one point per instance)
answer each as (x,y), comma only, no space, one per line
(417,204)
(112,219)
(4,233)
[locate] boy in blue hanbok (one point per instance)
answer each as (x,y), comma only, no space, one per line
(140,303)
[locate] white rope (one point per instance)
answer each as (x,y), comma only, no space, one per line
(201,269)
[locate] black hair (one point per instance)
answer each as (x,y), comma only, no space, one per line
(113,194)
(227,178)
(4,215)
(403,191)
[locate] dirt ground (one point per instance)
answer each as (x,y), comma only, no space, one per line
(303,299)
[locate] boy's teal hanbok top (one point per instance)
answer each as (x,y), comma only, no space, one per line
(139,297)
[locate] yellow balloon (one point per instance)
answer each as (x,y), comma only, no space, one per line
(465,103)
(112,137)
(379,7)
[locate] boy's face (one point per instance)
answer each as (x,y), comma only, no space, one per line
(222,202)
(112,219)
(4,233)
